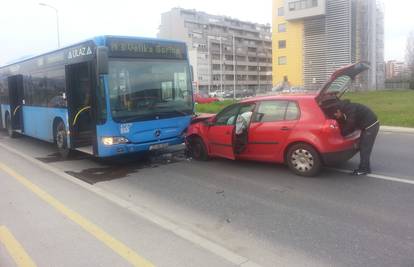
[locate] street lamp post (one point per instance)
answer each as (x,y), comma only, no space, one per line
(57,20)
(234,68)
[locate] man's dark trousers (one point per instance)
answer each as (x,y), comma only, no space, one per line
(366,143)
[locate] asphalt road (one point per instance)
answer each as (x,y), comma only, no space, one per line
(259,212)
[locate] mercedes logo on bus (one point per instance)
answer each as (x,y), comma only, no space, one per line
(157,133)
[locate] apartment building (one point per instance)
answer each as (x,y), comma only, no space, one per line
(313,38)
(397,69)
(225,53)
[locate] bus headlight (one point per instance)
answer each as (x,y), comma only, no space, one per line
(114,140)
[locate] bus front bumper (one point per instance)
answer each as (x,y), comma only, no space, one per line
(122,149)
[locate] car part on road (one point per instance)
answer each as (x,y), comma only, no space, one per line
(303,160)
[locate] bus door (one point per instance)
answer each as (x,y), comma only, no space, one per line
(80,82)
(16,96)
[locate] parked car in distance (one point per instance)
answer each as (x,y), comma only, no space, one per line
(202,98)
(217,93)
(295,129)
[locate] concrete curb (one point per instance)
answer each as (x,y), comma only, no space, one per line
(397,129)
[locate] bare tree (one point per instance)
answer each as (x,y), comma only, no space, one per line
(410,57)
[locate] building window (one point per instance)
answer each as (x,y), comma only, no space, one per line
(281,27)
(302,4)
(282,60)
(282,44)
(280,11)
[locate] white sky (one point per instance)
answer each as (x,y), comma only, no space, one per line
(26,28)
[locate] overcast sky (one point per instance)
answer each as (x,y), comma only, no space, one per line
(26,28)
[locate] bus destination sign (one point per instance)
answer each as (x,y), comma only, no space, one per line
(146,49)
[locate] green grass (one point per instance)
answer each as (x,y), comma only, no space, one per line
(213,107)
(394,108)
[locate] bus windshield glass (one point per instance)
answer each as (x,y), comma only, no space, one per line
(145,89)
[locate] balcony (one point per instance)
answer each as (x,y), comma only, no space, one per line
(301,9)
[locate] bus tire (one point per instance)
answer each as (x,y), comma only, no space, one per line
(61,140)
(9,128)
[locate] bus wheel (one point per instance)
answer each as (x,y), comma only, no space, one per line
(62,140)
(9,127)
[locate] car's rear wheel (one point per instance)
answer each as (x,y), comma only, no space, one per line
(303,160)
(198,149)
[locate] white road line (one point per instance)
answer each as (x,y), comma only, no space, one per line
(381,177)
(143,212)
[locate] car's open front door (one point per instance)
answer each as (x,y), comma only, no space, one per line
(221,133)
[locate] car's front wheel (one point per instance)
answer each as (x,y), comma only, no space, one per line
(198,149)
(303,160)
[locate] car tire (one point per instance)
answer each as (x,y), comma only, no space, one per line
(61,140)
(303,160)
(198,149)
(9,128)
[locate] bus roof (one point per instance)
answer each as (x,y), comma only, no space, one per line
(98,41)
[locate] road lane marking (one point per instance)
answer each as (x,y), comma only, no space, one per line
(143,212)
(381,177)
(117,246)
(15,249)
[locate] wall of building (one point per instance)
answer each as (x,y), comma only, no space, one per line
(224,52)
(293,69)
(324,35)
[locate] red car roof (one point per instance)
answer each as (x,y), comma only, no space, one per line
(281,97)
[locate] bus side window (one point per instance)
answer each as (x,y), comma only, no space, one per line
(56,88)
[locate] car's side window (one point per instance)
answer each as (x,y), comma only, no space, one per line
(271,111)
(227,116)
(292,111)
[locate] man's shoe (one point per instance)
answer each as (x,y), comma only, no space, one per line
(359,172)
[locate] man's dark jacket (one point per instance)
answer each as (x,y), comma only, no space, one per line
(357,116)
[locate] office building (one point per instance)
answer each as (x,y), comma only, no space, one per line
(225,53)
(313,38)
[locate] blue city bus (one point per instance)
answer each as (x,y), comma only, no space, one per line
(106,96)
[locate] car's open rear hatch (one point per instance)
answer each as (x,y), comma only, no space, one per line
(339,82)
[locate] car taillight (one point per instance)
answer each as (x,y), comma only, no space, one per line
(331,126)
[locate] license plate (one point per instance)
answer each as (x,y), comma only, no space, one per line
(158,146)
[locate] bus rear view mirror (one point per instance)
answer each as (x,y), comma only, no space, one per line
(102,59)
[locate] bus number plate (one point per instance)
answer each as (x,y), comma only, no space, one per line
(158,146)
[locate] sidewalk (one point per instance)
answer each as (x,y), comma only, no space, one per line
(397,129)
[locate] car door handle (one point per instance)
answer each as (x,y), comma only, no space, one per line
(227,133)
(284,128)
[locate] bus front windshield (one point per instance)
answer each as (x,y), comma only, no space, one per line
(147,89)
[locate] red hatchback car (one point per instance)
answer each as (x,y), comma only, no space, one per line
(295,129)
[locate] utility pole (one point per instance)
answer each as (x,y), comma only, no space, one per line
(221,64)
(234,68)
(258,70)
(57,20)
(210,61)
